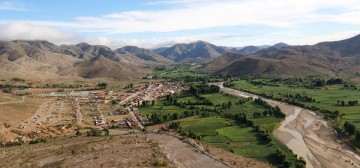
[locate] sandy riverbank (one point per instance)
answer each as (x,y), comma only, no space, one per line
(309,136)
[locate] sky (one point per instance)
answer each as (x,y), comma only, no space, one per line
(160,23)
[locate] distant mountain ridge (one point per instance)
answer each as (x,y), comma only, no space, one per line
(253,49)
(43,60)
(327,58)
(199,52)
(144,54)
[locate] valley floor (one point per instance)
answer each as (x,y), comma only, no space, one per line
(309,136)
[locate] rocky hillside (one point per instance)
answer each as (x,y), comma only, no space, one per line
(329,58)
(143,54)
(198,52)
(43,60)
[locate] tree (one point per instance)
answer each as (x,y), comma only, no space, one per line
(102,85)
(350,128)
(265,113)
(357,136)
(94,132)
(229,104)
(107,132)
(78,132)
(7,90)
(114,102)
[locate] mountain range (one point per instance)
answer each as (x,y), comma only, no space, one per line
(199,52)
(42,59)
(326,58)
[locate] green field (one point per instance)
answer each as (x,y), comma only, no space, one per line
(180,74)
(326,97)
(206,126)
(160,108)
(226,133)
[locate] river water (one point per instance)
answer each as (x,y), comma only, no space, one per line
(307,135)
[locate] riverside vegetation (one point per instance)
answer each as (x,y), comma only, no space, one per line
(333,98)
(242,126)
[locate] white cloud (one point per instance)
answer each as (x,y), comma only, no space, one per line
(172,2)
(11,6)
(196,15)
(28,31)
(161,42)
(189,15)
(326,37)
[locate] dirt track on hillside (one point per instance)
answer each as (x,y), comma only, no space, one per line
(184,155)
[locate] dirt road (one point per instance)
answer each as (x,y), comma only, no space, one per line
(309,136)
(183,154)
(21,101)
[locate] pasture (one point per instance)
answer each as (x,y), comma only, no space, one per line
(326,97)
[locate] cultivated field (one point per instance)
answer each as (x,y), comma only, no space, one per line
(227,134)
(325,97)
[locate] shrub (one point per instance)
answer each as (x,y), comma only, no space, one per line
(36,141)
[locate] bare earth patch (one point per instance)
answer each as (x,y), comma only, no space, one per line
(184,155)
(235,160)
(117,151)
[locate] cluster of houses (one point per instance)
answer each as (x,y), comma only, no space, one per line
(121,111)
(75,94)
(144,120)
(136,96)
(131,123)
(99,120)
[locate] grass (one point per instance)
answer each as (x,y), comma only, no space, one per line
(206,126)
(238,133)
(326,97)
(226,133)
(215,139)
(248,108)
(219,98)
(166,109)
(243,140)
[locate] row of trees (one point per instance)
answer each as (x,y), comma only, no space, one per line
(95,132)
(326,113)
(350,102)
(203,89)
(226,105)
(244,100)
(160,118)
(351,130)
(300,97)
(276,111)
(323,82)
(280,157)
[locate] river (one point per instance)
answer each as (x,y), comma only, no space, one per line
(308,135)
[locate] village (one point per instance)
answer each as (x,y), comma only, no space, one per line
(61,112)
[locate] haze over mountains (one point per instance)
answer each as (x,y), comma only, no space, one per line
(42,59)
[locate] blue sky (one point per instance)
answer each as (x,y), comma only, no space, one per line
(157,23)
